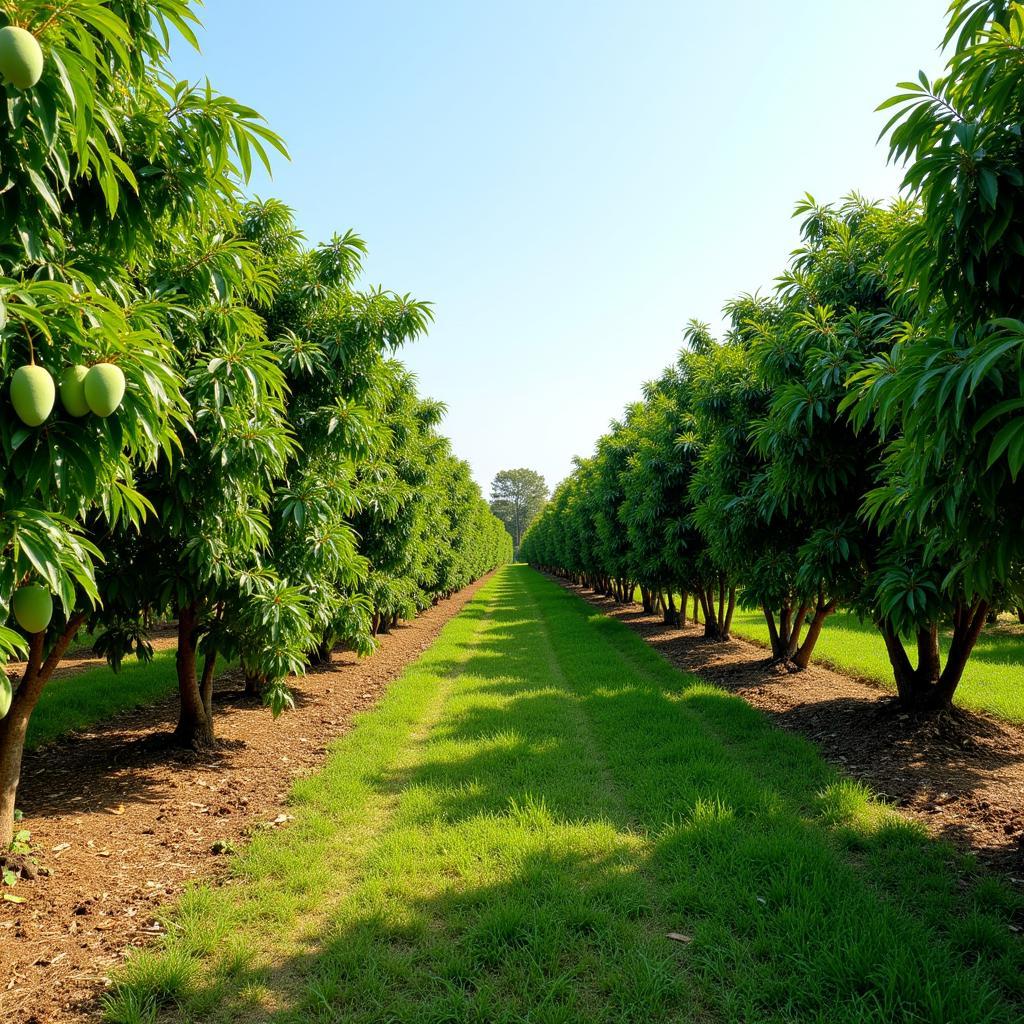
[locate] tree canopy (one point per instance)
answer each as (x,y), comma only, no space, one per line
(517,496)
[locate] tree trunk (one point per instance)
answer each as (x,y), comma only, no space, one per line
(195,723)
(206,683)
(321,654)
(645,600)
(671,615)
(928,658)
(802,657)
(710,621)
(967,625)
(773,631)
(726,629)
(924,687)
(254,684)
(794,633)
(14,727)
(904,674)
(718,615)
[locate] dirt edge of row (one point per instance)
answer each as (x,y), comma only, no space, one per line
(124,822)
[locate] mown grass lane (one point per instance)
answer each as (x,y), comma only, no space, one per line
(511,835)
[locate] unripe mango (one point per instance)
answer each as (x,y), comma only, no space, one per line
(33,607)
(32,394)
(72,390)
(21,58)
(6,694)
(104,388)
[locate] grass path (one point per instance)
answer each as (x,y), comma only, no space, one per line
(511,834)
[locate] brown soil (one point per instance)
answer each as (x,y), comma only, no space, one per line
(124,822)
(959,772)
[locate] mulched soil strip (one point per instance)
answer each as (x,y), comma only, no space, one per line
(124,822)
(960,772)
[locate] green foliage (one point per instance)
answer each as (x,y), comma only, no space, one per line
(517,496)
(950,393)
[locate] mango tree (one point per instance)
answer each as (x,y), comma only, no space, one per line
(747,542)
(836,307)
(948,397)
(203,555)
(666,550)
(103,156)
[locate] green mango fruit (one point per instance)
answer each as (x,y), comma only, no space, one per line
(6,694)
(32,394)
(33,607)
(104,388)
(72,390)
(21,58)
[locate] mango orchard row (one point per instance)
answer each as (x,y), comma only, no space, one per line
(269,474)
(857,438)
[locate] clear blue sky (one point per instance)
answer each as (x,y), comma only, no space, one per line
(568,181)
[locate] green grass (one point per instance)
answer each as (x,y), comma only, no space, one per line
(993,680)
(84,698)
(510,835)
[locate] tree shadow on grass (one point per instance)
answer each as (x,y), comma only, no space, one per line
(572,923)
(548,838)
(924,761)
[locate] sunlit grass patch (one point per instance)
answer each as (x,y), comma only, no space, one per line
(514,831)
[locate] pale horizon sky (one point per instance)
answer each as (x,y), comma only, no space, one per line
(569,182)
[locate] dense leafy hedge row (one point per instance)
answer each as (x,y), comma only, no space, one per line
(270,476)
(856,439)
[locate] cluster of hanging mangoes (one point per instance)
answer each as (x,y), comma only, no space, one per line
(97,389)
(32,390)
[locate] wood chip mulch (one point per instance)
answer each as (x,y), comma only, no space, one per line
(960,772)
(124,822)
